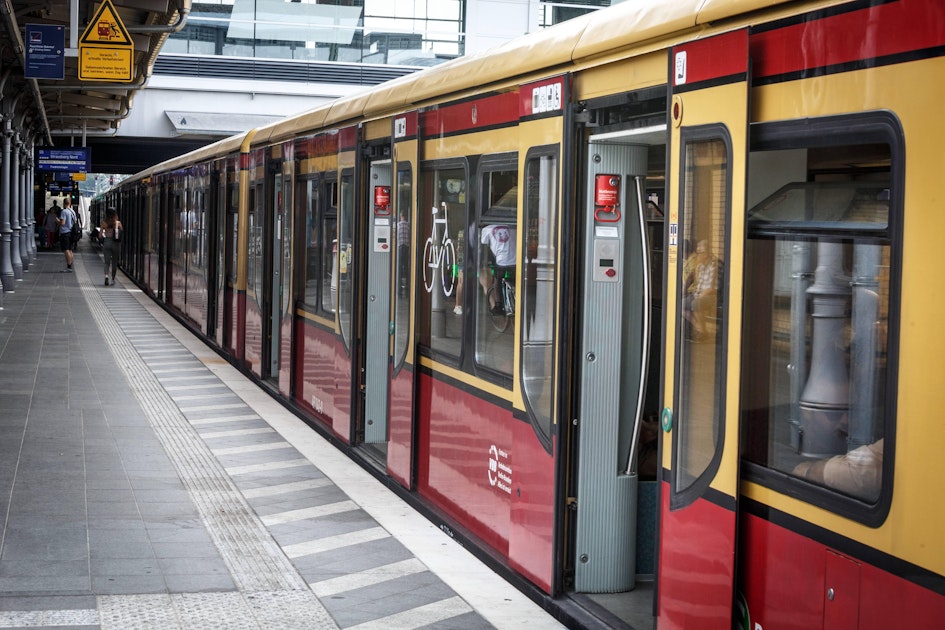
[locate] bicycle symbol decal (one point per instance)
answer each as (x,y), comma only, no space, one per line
(439,254)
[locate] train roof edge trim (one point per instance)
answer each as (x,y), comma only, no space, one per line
(578,39)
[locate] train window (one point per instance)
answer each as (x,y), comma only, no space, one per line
(256,256)
(316,284)
(442,233)
(404,209)
(345,275)
(329,246)
(539,288)
(820,269)
(311,271)
(196,217)
(704,210)
(153,233)
(497,267)
(177,229)
(232,226)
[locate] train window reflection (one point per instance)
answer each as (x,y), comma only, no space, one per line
(311,271)
(318,290)
(704,210)
(329,247)
(404,208)
(816,353)
(539,287)
(440,240)
(497,241)
(343,280)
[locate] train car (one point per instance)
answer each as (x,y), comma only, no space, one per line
(620,305)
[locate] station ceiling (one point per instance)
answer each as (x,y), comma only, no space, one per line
(110,35)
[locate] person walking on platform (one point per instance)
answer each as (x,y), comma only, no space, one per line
(67,219)
(110,231)
(51,226)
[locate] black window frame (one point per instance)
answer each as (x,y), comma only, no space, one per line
(837,131)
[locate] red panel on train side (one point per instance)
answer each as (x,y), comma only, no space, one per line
(239,331)
(323,377)
(867,35)
(531,536)
(347,139)
(286,327)
(491,111)
(695,590)
(713,58)
(174,294)
(462,439)
(253,338)
(197,300)
(783,577)
(400,440)
(488,471)
(151,273)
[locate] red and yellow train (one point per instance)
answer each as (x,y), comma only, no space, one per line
(702,393)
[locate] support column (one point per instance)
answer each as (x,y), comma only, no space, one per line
(27,234)
(26,193)
(825,401)
(11,153)
(16,208)
(6,233)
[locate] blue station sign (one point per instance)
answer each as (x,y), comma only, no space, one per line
(74,160)
(45,51)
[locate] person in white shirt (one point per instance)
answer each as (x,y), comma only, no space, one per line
(501,241)
(67,219)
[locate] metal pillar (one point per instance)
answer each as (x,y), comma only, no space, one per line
(26,193)
(825,402)
(18,207)
(11,189)
(6,234)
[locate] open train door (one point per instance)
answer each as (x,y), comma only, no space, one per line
(403,368)
(699,490)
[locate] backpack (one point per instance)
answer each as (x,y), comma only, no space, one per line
(76,229)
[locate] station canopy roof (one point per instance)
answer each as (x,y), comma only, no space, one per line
(107,54)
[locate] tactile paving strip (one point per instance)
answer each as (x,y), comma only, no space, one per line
(258,566)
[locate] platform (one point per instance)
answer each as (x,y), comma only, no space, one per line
(146,483)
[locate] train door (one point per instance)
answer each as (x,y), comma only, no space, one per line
(278,296)
(163,226)
(401,386)
(699,494)
(377,316)
(616,335)
(213,247)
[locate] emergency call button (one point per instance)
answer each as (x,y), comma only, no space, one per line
(382,235)
(606,258)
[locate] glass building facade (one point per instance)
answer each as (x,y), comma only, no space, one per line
(393,32)
(397,32)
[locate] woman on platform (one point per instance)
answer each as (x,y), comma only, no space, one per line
(111,235)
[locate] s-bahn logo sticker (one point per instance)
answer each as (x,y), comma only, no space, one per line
(500,471)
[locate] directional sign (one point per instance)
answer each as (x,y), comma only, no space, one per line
(105,48)
(76,160)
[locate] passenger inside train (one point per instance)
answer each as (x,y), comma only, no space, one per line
(858,473)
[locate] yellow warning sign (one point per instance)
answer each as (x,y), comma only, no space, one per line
(98,63)
(106,51)
(106,28)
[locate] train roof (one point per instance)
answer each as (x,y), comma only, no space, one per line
(554,49)
(580,39)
